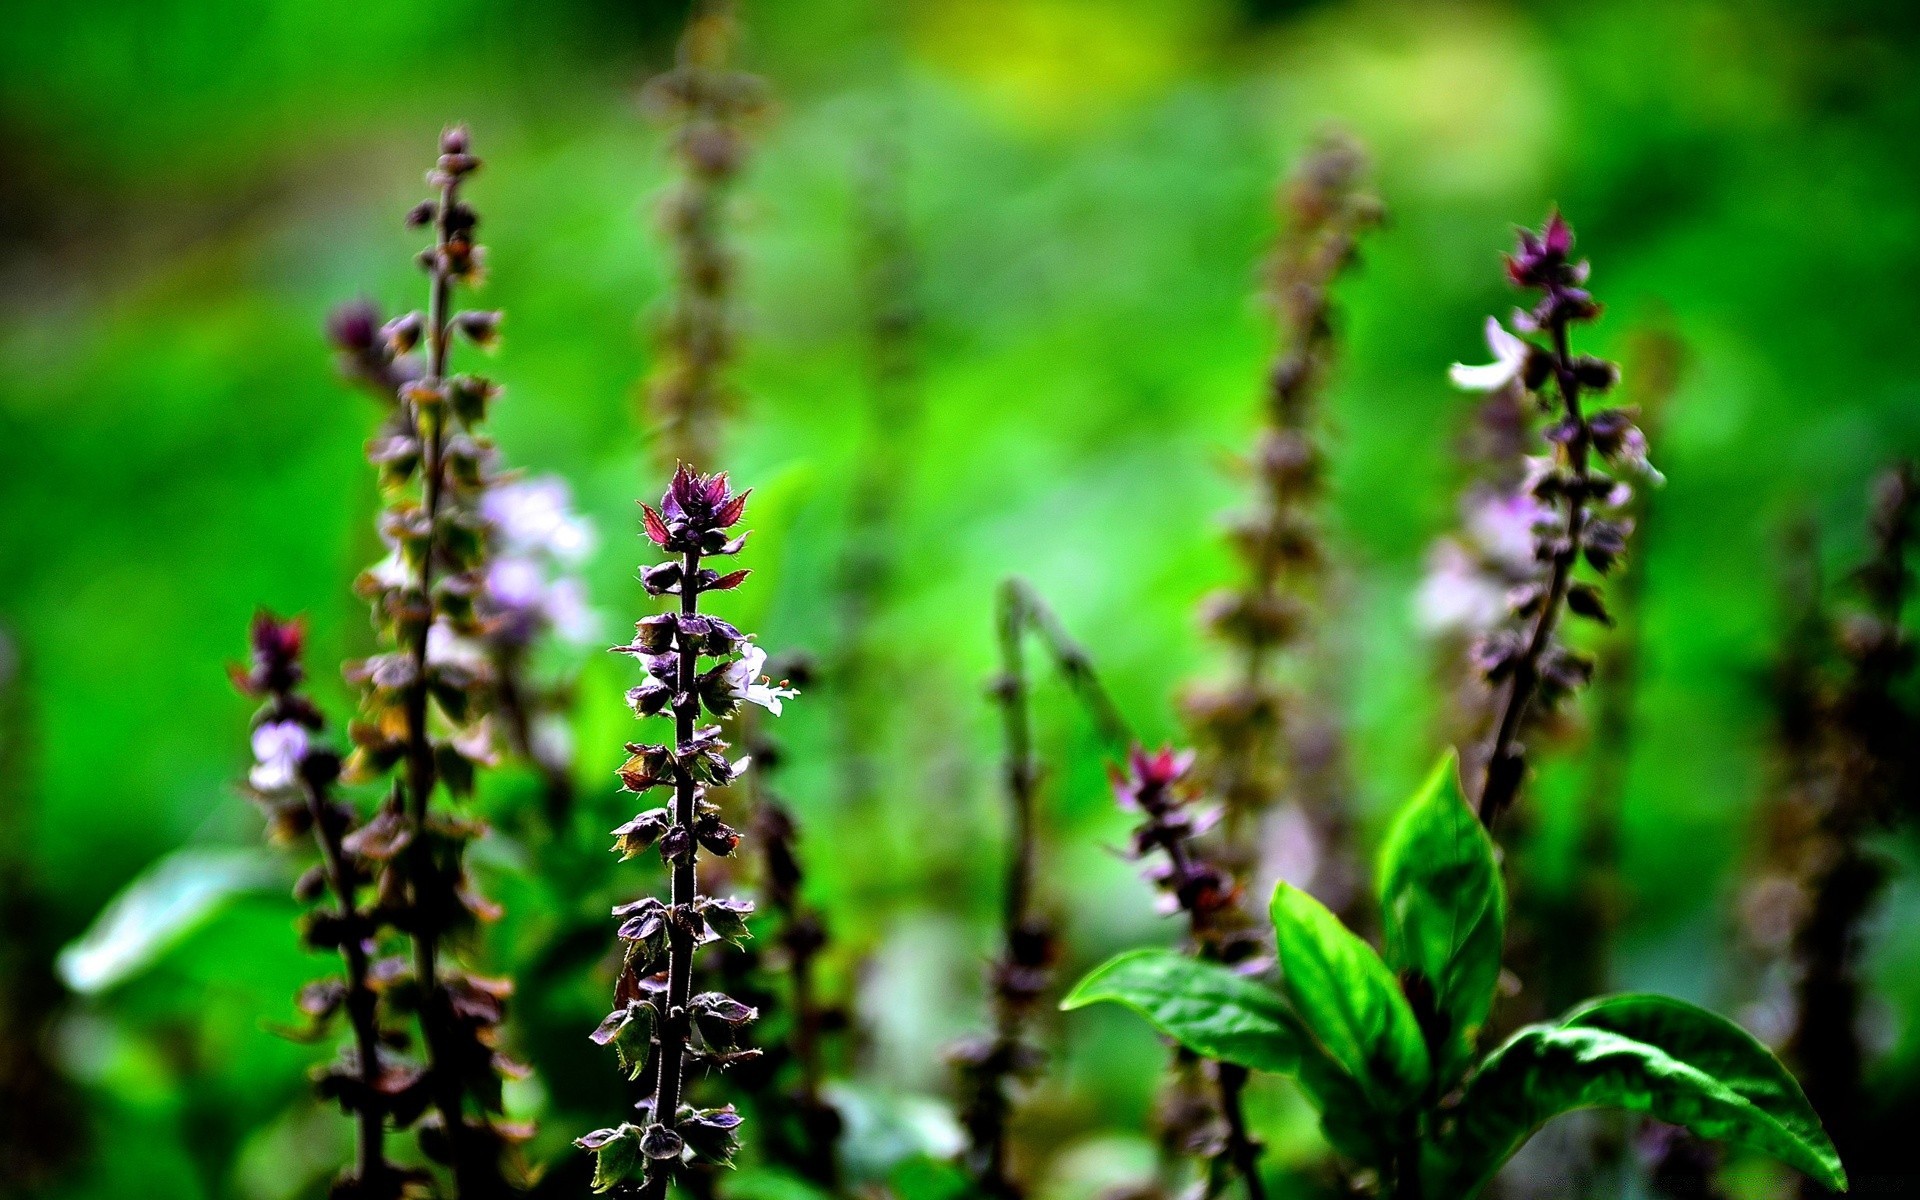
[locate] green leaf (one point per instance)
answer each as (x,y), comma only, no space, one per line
(1349,1001)
(1202,1005)
(1222,1015)
(164,906)
(1444,910)
(1646,1054)
(1710,1043)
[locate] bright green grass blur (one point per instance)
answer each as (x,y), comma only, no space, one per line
(186,186)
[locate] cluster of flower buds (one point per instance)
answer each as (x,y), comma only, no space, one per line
(426,698)
(1243,725)
(1155,784)
(706,104)
(658,1024)
(292,780)
(1572,509)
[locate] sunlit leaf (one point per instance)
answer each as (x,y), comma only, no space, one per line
(1348,1001)
(163,905)
(1202,1005)
(1444,910)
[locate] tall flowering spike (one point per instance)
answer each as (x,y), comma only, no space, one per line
(1261,742)
(659,1027)
(1572,510)
(427,699)
(1157,786)
(706,104)
(292,780)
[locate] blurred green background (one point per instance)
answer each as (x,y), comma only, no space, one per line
(186,186)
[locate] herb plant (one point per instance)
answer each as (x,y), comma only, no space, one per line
(293,781)
(659,1027)
(427,697)
(1385,1042)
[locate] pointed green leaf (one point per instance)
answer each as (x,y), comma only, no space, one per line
(1202,1005)
(1713,1045)
(1646,1054)
(1348,1001)
(1222,1015)
(1444,910)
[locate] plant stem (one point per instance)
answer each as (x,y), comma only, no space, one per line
(471,1177)
(1506,762)
(372,1167)
(676,1024)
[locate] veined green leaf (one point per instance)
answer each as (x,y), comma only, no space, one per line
(1348,1001)
(1222,1015)
(1202,1005)
(1647,1054)
(1444,910)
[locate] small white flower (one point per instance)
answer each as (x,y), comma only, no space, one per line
(1509,361)
(279,748)
(446,648)
(391,572)
(519,587)
(746,683)
(535,516)
(1633,457)
(1457,595)
(1503,527)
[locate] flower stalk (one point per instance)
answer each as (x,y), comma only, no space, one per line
(427,701)
(1207,894)
(706,104)
(292,780)
(658,1026)
(988,1067)
(1259,738)
(1870,769)
(1574,506)
(802,1126)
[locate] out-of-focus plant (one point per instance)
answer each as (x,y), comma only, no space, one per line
(426,699)
(531,595)
(867,561)
(658,1026)
(705,102)
(988,1066)
(1847,770)
(1385,1044)
(44,1129)
(1261,737)
(799,1124)
(293,781)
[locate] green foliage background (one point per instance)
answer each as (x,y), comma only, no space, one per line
(187,185)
